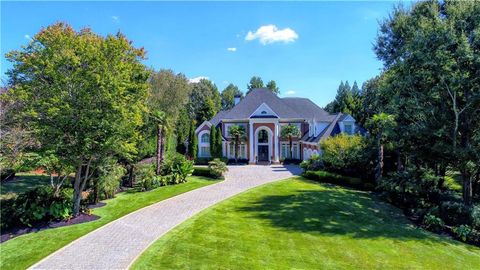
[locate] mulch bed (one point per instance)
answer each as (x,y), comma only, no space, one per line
(82,218)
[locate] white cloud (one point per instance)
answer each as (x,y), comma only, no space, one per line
(290,92)
(197,79)
(116,19)
(270,33)
(27,37)
(232,49)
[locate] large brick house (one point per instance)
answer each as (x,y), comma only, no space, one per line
(262,113)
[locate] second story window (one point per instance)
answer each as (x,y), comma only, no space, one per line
(205,138)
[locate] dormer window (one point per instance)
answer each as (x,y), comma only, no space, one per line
(348,128)
(263,112)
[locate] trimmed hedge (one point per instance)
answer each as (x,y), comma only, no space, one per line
(333,178)
(202,171)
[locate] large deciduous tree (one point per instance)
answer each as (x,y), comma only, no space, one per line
(431,55)
(82,94)
(205,101)
(228,96)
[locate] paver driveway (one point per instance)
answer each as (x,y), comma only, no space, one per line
(117,244)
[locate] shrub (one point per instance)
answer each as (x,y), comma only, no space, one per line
(109,178)
(217,168)
(177,167)
(144,176)
(433,223)
(476,217)
(35,206)
(455,213)
(314,163)
(350,155)
(202,161)
(337,179)
(462,232)
(201,171)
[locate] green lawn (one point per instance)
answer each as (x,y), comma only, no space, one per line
(25,250)
(23,182)
(300,224)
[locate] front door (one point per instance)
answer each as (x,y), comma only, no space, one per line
(263,153)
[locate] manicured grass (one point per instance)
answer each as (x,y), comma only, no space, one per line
(23,182)
(25,250)
(298,224)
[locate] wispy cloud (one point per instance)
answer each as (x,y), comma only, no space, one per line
(115,19)
(233,49)
(28,37)
(197,79)
(291,92)
(270,34)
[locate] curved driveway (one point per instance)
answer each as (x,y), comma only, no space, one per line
(117,244)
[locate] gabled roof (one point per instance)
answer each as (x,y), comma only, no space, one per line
(308,109)
(330,130)
(245,108)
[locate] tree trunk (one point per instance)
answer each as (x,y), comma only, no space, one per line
(399,161)
(379,169)
(467,188)
(80,181)
(159,149)
(236,150)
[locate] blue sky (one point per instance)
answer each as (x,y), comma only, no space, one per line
(306,47)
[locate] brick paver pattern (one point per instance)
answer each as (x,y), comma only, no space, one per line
(117,244)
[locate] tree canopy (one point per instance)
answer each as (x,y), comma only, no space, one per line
(228,96)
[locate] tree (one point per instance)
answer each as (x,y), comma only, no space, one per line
(219,144)
(289,131)
(430,57)
(213,141)
(204,102)
(238,134)
(169,91)
(255,82)
(182,130)
(228,96)
(192,142)
(82,94)
(272,85)
(380,125)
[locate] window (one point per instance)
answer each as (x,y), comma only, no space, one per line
(205,151)
(262,136)
(263,112)
(286,150)
(348,128)
(205,138)
(242,150)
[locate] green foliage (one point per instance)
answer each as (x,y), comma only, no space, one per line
(228,96)
(255,82)
(193,143)
(337,179)
(314,163)
(35,206)
(433,223)
(347,154)
(272,85)
(178,168)
(218,144)
(109,178)
(145,176)
(217,168)
(213,141)
(201,171)
(462,232)
(348,100)
(455,213)
(205,101)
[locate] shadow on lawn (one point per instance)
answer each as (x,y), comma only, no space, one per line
(335,211)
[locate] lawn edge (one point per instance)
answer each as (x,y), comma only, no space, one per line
(109,223)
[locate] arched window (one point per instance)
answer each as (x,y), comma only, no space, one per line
(264,112)
(263,136)
(205,138)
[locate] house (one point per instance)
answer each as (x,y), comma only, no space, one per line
(262,114)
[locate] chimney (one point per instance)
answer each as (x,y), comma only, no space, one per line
(236,99)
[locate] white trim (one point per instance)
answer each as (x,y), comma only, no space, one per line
(268,108)
(250,143)
(270,141)
(203,144)
(204,123)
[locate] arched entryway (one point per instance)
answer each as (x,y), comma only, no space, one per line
(263,144)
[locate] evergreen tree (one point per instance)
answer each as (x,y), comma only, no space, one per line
(255,82)
(228,96)
(272,85)
(218,143)
(213,141)
(193,142)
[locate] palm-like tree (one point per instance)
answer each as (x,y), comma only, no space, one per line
(161,121)
(238,134)
(289,131)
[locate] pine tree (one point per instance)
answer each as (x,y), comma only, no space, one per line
(193,142)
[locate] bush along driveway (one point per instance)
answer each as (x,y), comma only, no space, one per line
(25,250)
(301,224)
(116,245)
